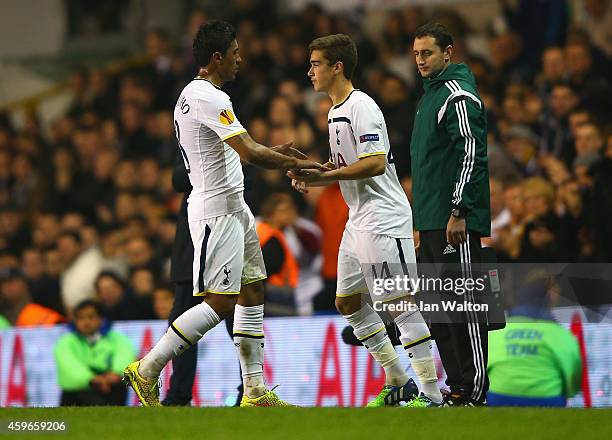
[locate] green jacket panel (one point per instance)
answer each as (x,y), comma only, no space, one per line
(448,150)
(534,358)
(4,323)
(79,361)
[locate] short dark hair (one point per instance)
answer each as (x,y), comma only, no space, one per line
(582,109)
(270,203)
(564,84)
(338,47)
(438,32)
(71,234)
(214,36)
(113,276)
(89,303)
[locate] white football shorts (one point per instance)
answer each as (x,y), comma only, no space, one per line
(226,253)
(365,260)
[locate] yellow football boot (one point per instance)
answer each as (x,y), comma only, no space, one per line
(268,399)
(147,390)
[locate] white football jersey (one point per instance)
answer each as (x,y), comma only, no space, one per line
(377,204)
(203,120)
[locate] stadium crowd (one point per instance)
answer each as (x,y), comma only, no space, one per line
(87,208)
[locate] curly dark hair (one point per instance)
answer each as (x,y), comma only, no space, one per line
(214,36)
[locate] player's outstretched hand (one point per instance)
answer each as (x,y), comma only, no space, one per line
(289,150)
(299,186)
(303,175)
(310,167)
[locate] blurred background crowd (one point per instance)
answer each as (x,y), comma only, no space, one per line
(87,208)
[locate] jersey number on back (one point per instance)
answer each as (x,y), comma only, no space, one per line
(178,139)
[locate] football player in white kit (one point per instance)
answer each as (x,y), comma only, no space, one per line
(228,264)
(377,242)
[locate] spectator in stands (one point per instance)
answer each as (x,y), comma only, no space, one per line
(101,183)
(278,211)
(589,142)
(148,175)
(137,143)
(46,229)
(143,282)
(577,117)
(159,50)
(53,264)
(540,24)
(398,107)
(556,136)
(553,70)
(17,306)
(65,178)
(78,86)
(303,238)
(73,221)
(163,298)
(102,101)
(547,237)
(508,243)
(331,214)
(44,288)
(81,267)
(118,303)
(165,138)
(14,233)
(521,145)
(90,359)
(593,88)
(534,361)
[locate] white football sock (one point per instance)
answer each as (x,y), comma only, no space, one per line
(370,330)
(249,342)
(185,331)
(416,340)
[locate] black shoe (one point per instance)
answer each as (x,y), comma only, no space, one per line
(460,399)
(473,402)
(454,399)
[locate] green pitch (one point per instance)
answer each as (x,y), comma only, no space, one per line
(315,423)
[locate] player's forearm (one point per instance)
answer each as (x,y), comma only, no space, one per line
(264,157)
(325,182)
(362,169)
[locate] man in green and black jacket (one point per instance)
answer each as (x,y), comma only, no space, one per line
(451,199)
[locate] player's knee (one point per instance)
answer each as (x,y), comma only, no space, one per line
(252,294)
(347,305)
(223,305)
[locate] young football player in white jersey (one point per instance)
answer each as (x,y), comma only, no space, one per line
(228,264)
(378,235)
